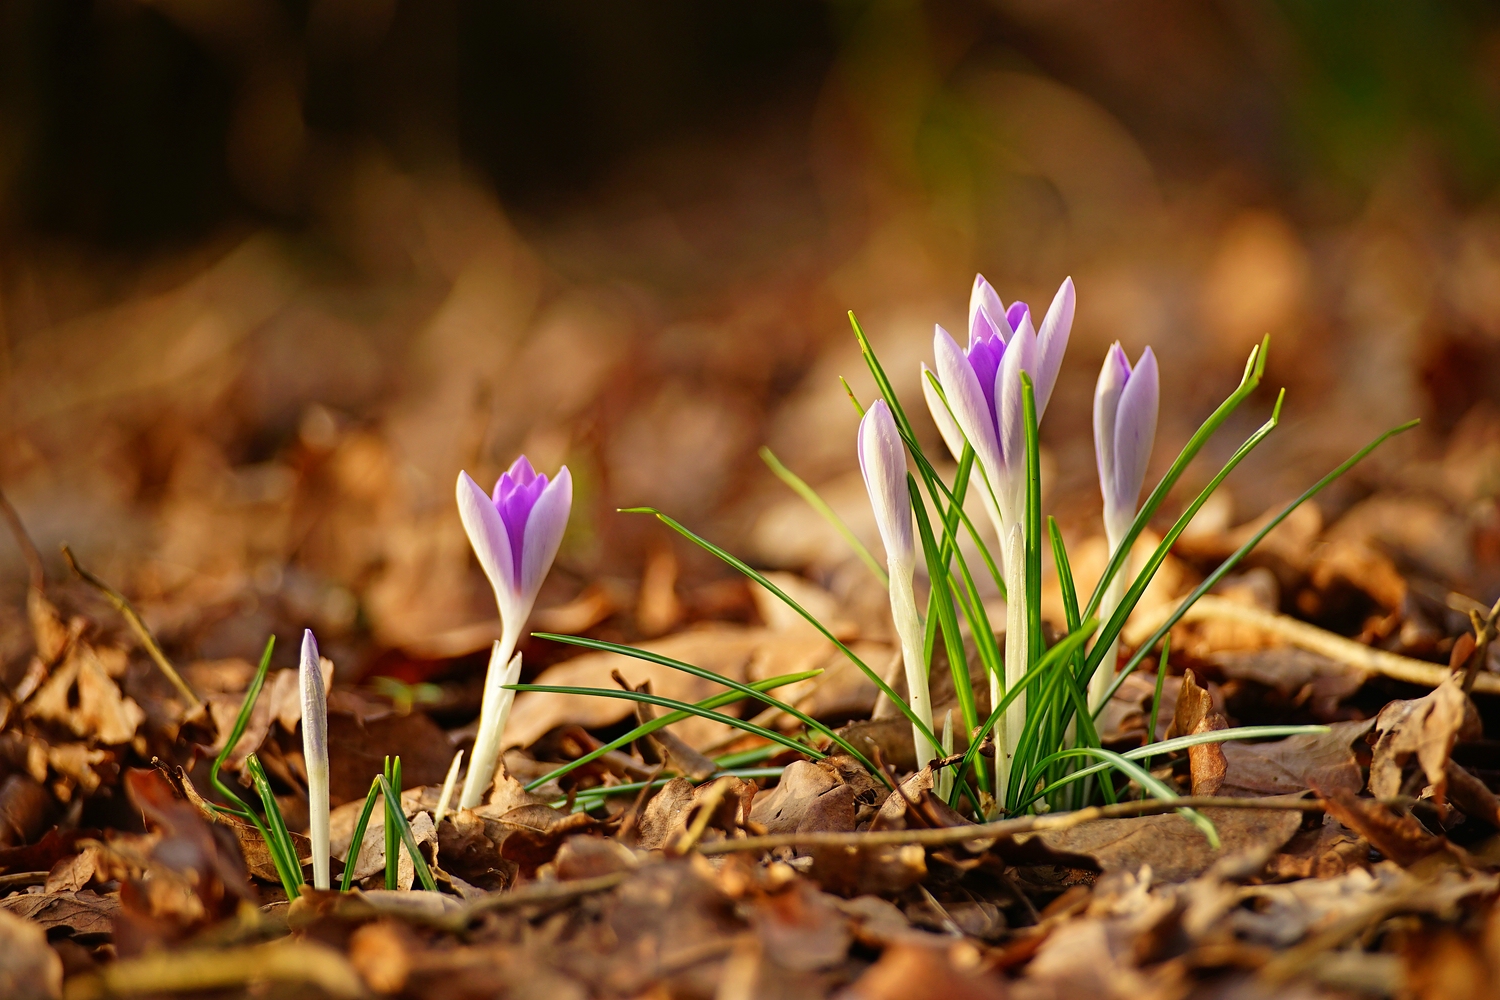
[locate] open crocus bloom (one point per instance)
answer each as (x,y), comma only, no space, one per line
(515,533)
(983,385)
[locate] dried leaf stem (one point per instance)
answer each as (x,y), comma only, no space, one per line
(127,610)
(1317,640)
(1004,827)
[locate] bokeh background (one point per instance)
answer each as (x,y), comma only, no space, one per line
(272,272)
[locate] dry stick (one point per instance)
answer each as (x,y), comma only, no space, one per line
(1484,634)
(1004,827)
(1317,640)
(23,539)
(127,610)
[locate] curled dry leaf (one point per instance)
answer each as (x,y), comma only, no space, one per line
(83,696)
(1195,714)
(80,914)
(808,798)
(1425,729)
(1396,835)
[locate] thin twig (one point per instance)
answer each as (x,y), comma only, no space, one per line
(1317,640)
(1004,827)
(23,540)
(127,610)
(1484,634)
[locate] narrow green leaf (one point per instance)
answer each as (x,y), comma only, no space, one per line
(351,856)
(717,701)
(278,839)
(716,678)
(680,706)
(395,816)
(817,503)
(1153,786)
(252,693)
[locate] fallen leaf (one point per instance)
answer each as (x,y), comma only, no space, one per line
(1193,715)
(808,798)
(952,971)
(82,914)
(1425,728)
(1295,764)
(1175,849)
(1396,835)
(82,695)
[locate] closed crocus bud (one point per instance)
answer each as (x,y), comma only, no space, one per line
(315,754)
(882,460)
(1125,405)
(515,533)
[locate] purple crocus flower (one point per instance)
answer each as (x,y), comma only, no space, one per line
(882,462)
(983,386)
(515,534)
(1125,404)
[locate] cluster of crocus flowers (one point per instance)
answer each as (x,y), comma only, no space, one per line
(882,460)
(515,533)
(982,403)
(1125,405)
(315,756)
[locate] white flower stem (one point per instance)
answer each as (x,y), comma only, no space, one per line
(495,709)
(1016,656)
(445,798)
(909,629)
(317,822)
(1113,594)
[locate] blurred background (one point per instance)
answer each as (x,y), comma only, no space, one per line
(272,272)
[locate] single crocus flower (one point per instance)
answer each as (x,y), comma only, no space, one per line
(982,385)
(315,756)
(515,533)
(1125,405)
(882,461)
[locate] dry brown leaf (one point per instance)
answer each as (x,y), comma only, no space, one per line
(800,927)
(1194,714)
(81,914)
(29,969)
(1311,677)
(808,798)
(82,695)
(1425,728)
(1324,761)
(941,970)
(1396,835)
(1175,849)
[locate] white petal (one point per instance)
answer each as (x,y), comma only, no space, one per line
(491,544)
(1112,379)
(1019,356)
(966,400)
(953,437)
(1052,344)
(544,533)
(882,460)
(1135,432)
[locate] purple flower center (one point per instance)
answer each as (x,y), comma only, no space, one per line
(987,348)
(515,495)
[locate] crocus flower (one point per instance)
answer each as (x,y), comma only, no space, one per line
(882,460)
(983,389)
(515,534)
(315,754)
(1125,404)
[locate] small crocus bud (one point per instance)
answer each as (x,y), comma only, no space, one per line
(315,754)
(1125,405)
(882,461)
(445,797)
(494,712)
(515,534)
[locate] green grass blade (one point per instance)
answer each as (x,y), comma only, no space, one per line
(717,701)
(1033,522)
(590,798)
(1153,786)
(1230,563)
(252,693)
(395,816)
(1182,743)
(351,856)
(1161,676)
(709,675)
(278,839)
(1254,368)
(942,603)
(392,808)
(679,706)
(785,598)
(817,503)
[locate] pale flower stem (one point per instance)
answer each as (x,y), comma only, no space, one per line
(1016,654)
(446,797)
(493,712)
(945,777)
(1100,683)
(909,629)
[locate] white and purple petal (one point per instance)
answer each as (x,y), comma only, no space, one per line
(490,540)
(1135,431)
(882,461)
(545,525)
(1052,344)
